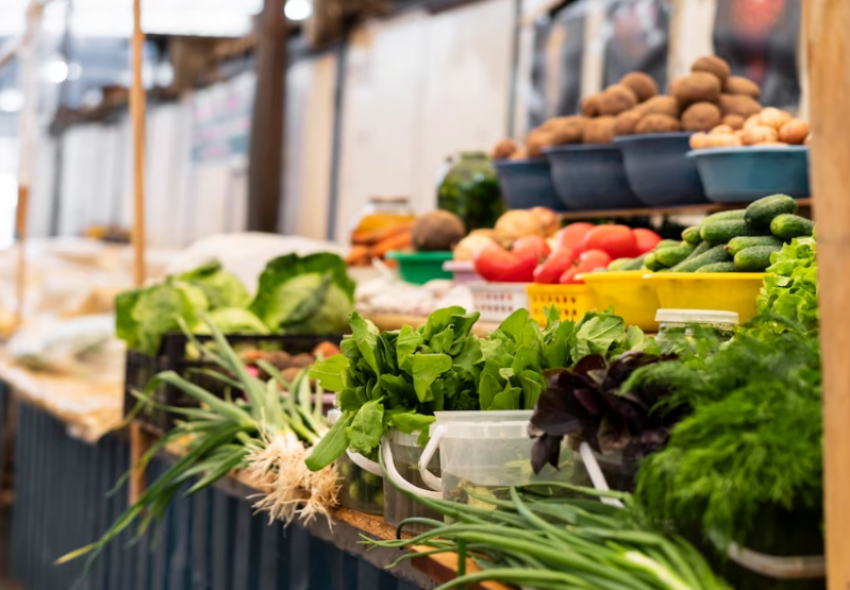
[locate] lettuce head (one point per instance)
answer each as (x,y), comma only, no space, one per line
(222,289)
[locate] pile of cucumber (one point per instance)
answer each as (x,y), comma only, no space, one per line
(733,241)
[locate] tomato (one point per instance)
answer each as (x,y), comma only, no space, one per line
(495,264)
(569,277)
(592,259)
(572,236)
(646,240)
(617,240)
(533,244)
(550,271)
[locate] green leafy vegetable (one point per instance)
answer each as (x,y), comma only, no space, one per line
(222,289)
(791,285)
(232,320)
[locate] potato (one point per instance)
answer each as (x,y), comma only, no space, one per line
(626,122)
(698,87)
(736,122)
(518,223)
(303,360)
(520,154)
(471,245)
(503,150)
(741,86)
(437,231)
(712,65)
(773,117)
(752,122)
(773,143)
(657,124)
(722,140)
(599,130)
(698,140)
(590,105)
(616,99)
(722,130)
(738,105)
(660,105)
(566,129)
(757,134)
(641,84)
(538,140)
(794,132)
(548,219)
(701,116)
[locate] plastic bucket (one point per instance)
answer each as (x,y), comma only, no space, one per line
(732,291)
(632,296)
(658,169)
(401,455)
(589,177)
(362,481)
(420,267)
(746,174)
(528,183)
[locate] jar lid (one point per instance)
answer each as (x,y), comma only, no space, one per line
(700,316)
(389,200)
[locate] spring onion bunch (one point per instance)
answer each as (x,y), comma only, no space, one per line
(268,434)
(534,539)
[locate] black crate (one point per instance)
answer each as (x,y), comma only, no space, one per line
(141,368)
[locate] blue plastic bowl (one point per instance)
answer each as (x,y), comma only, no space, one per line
(658,170)
(746,174)
(528,183)
(591,177)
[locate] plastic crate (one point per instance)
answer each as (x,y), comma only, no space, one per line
(496,301)
(141,368)
(572,301)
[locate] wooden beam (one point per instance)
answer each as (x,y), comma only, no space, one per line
(267,157)
(828,49)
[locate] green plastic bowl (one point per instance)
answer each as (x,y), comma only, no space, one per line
(420,267)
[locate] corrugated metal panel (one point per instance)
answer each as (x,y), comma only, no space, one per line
(210,541)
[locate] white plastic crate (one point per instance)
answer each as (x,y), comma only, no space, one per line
(496,301)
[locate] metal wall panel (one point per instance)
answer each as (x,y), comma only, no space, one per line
(210,541)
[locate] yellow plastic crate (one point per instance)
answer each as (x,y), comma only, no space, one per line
(572,301)
(630,293)
(733,291)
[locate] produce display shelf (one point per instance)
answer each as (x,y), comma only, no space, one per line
(707,208)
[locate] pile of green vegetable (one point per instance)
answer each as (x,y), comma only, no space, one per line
(537,538)
(399,379)
(791,287)
(296,295)
(729,241)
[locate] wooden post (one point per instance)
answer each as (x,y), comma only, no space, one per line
(828,49)
(139,441)
(265,181)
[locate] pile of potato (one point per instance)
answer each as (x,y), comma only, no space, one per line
(770,126)
(708,99)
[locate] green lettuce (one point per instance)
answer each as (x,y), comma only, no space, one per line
(222,288)
(231,320)
(305,295)
(791,285)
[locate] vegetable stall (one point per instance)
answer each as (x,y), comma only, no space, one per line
(588,406)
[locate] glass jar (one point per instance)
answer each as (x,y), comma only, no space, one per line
(384,212)
(470,190)
(681,327)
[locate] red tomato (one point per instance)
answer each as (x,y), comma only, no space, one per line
(646,240)
(549,273)
(533,244)
(592,259)
(495,264)
(617,240)
(569,277)
(572,236)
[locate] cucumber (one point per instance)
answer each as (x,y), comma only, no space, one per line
(715,254)
(620,263)
(755,259)
(787,226)
(701,249)
(718,267)
(726,215)
(673,256)
(652,263)
(691,235)
(666,244)
(762,212)
(720,231)
(637,263)
(735,245)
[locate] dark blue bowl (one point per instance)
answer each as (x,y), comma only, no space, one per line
(591,177)
(746,174)
(528,183)
(658,169)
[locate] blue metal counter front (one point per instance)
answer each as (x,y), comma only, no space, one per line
(208,541)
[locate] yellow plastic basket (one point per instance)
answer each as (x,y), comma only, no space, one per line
(733,291)
(632,296)
(572,301)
